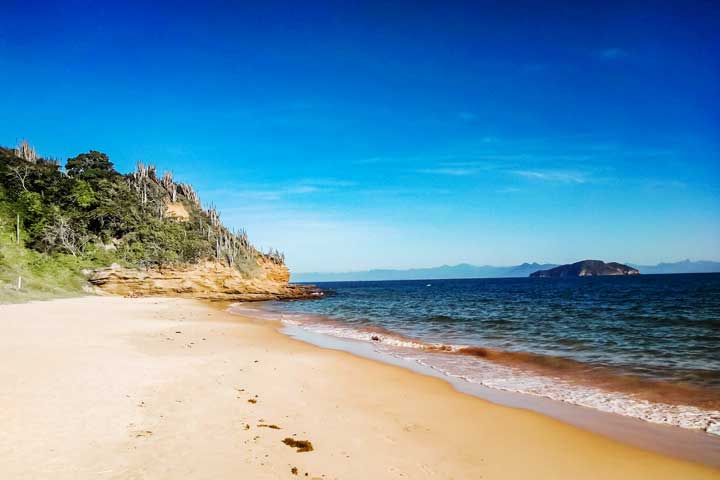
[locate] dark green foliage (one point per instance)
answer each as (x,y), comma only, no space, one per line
(91,165)
(94,214)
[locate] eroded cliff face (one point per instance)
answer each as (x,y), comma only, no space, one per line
(209,280)
(273,271)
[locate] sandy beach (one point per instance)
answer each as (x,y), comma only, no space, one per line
(115,388)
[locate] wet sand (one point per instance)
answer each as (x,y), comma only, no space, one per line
(106,387)
(693,445)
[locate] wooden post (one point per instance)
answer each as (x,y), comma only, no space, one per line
(19,282)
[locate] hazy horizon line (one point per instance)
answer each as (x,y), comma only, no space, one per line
(330,272)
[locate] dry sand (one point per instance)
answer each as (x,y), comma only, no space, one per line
(105,387)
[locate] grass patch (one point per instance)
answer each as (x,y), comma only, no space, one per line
(44,276)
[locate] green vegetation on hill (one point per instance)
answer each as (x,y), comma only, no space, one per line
(43,275)
(55,222)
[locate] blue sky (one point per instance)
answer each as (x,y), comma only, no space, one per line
(355,135)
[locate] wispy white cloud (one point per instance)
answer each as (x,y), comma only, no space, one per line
(269,192)
(301,189)
(326,183)
(397,192)
(509,190)
(658,184)
(582,160)
(245,194)
(451,171)
(556,176)
(380,160)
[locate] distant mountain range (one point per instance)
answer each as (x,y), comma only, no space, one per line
(684,266)
(462,270)
(465,270)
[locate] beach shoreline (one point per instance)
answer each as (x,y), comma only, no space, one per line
(585,342)
(686,444)
(107,387)
(680,442)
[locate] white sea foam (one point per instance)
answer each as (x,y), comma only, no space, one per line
(501,377)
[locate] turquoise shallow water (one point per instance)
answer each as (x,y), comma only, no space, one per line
(645,346)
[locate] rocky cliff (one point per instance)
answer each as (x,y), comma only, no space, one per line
(208,280)
(586,268)
(169,242)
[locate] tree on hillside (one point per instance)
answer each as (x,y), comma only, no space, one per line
(21,173)
(91,165)
(60,234)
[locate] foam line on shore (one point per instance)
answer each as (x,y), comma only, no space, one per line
(520,372)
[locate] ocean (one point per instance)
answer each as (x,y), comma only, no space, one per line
(643,346)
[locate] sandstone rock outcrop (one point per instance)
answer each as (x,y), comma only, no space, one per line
(208,280)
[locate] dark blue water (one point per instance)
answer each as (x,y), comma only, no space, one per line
(652,338)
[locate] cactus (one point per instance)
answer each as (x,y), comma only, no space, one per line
(26,152)
(231,247)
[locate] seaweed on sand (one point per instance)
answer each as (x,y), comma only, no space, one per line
(301,445)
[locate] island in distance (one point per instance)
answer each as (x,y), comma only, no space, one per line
(586,268)
(466,270)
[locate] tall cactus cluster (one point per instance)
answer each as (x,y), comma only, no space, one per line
(156,193)
(26,152)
